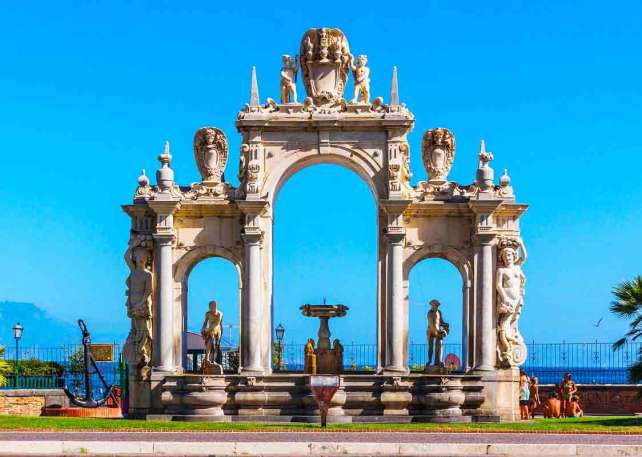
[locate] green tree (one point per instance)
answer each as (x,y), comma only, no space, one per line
(4,368)
(628,305)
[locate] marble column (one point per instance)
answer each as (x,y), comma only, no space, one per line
(254,305)
(164,254)
(486,336)
(395,315)
(465,334)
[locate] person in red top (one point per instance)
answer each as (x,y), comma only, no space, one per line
(567,390)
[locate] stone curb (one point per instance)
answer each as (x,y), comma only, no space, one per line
(221,449)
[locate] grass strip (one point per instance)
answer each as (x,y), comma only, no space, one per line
(591,424)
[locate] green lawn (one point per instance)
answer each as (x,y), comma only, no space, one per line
(595,424)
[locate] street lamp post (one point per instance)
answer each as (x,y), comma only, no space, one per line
(280,332)
(17,334)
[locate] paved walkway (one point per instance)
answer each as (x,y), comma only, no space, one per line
(316,444)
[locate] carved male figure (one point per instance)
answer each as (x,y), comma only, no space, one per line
(138,347)
(288,79)
(310,364)
(361,75)
(337,352)
(510,282)
(212,331)
(436,332)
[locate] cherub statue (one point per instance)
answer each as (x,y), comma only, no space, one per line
(212,331)
(510,280)
(288,78)
(138,347)
(361,75)
(310,365)
(436,332)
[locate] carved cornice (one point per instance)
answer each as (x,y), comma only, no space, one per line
(253,207)
(394,207)
(395,234)
(204,208)
(438,208)
(164,207)
(137,210)
(252,235)
(353,119)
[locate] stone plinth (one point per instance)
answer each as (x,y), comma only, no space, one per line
(288,398)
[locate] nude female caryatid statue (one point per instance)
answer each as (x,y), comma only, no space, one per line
(510,282)
(310,364)
(212,331)
(361,75)
(436,332)
(138,347)
(288,79)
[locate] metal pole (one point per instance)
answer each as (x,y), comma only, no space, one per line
(17,364)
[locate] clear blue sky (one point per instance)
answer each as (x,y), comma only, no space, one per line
(89,91)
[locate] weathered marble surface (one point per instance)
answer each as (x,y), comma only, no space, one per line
(462,223)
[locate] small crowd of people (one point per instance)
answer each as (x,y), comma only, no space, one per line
(562,402)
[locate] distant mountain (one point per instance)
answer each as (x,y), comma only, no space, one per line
(44,330)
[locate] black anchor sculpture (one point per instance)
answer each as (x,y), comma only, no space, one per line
(89,401)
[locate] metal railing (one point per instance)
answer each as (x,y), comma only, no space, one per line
(590,363)
(54,367)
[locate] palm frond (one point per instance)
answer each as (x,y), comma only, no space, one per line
(635,373)
(619,343)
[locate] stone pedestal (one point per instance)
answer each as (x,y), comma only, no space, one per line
(442,398)
(194,395)
(396,397)
(501,394)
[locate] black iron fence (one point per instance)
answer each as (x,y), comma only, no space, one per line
(590,363)
(39,367)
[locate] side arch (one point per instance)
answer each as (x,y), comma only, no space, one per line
(181,272)
(464,264)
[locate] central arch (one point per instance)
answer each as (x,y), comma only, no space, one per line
(367,165)
(364,301)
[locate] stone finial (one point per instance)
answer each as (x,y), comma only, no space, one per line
(165,175)
(504,181)
(485,173)
(254,93)
(143,180)
(394,88)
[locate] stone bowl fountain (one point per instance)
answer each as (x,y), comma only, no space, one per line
(325,359)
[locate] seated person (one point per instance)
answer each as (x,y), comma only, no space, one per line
(552,406)
(573,409)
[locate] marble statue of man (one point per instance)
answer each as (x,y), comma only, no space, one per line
(288,79)
(361,75)
(510,282)
(436,332)
(138,347)
(212,332)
